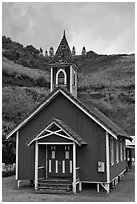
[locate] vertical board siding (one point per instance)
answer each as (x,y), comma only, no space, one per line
(92,133)
(119,167)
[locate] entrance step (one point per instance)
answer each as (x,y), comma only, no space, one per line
(54,186)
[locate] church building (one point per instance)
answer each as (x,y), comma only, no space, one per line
(62,144)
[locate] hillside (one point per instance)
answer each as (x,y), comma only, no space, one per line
(104,81)
(108,86)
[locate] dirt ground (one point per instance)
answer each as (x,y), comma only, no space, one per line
(123,192)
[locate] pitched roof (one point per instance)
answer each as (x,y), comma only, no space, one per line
(93,113)
(61,124)
(63,53)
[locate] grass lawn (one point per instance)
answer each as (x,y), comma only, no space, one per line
(123,192)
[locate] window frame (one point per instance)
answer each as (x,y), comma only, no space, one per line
(117,151)
(121,150)
(112,151)
(57,77)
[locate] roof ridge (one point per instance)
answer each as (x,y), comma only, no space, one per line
(96,114)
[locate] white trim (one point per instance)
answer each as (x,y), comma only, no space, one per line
(47,101)
(65,76)
(17,153)
(46,161)
(55,143)
(36,165)
(76,83)
(124,149)
(71,79)
(107,158)
(92,181)
(74,167)
(117,151)
(19,181)
(63,167)
(51,80)
(56,166)
(49,166)
(121,150)
(70,166)
(41,167)
(52,132)
(112,151)
(57,134)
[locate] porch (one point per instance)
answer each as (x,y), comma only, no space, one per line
(55,155)
(59,172)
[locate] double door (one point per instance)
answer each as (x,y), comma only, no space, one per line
(59,161)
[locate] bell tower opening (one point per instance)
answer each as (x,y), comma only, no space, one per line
(61,78)
(64,69)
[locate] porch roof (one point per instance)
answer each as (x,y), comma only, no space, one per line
(71,133)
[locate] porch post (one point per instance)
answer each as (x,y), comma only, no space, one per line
(17,152)
(107,162)
(74,167)
(36,165)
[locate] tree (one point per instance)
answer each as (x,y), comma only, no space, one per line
(51,52)
(40,51)
(84,51)
(46,53)
(73,51)
(32,50)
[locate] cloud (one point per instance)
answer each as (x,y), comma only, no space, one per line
(102,27)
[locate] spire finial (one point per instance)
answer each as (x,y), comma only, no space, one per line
(64,34)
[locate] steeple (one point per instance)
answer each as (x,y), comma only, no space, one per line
(63,53)
(64,36)
(63,68)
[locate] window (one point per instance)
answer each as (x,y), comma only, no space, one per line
(121,151)
(53,155)
(66,154)
(112,150)
(117,151)
(61,78)
(124,148)
(74,79)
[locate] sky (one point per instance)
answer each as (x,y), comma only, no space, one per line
(105,28)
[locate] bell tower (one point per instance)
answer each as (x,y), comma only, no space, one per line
(64,69)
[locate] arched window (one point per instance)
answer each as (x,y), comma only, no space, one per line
(74,79)
(61,77)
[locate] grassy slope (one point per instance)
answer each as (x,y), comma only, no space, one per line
(111,88)
(107,82)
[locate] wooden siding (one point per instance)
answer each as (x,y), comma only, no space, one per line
(119,167)
(54,138)
(87,156)
(42,160)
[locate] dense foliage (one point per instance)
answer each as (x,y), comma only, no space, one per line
(27,56)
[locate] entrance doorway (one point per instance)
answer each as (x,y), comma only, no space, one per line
(59,161)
